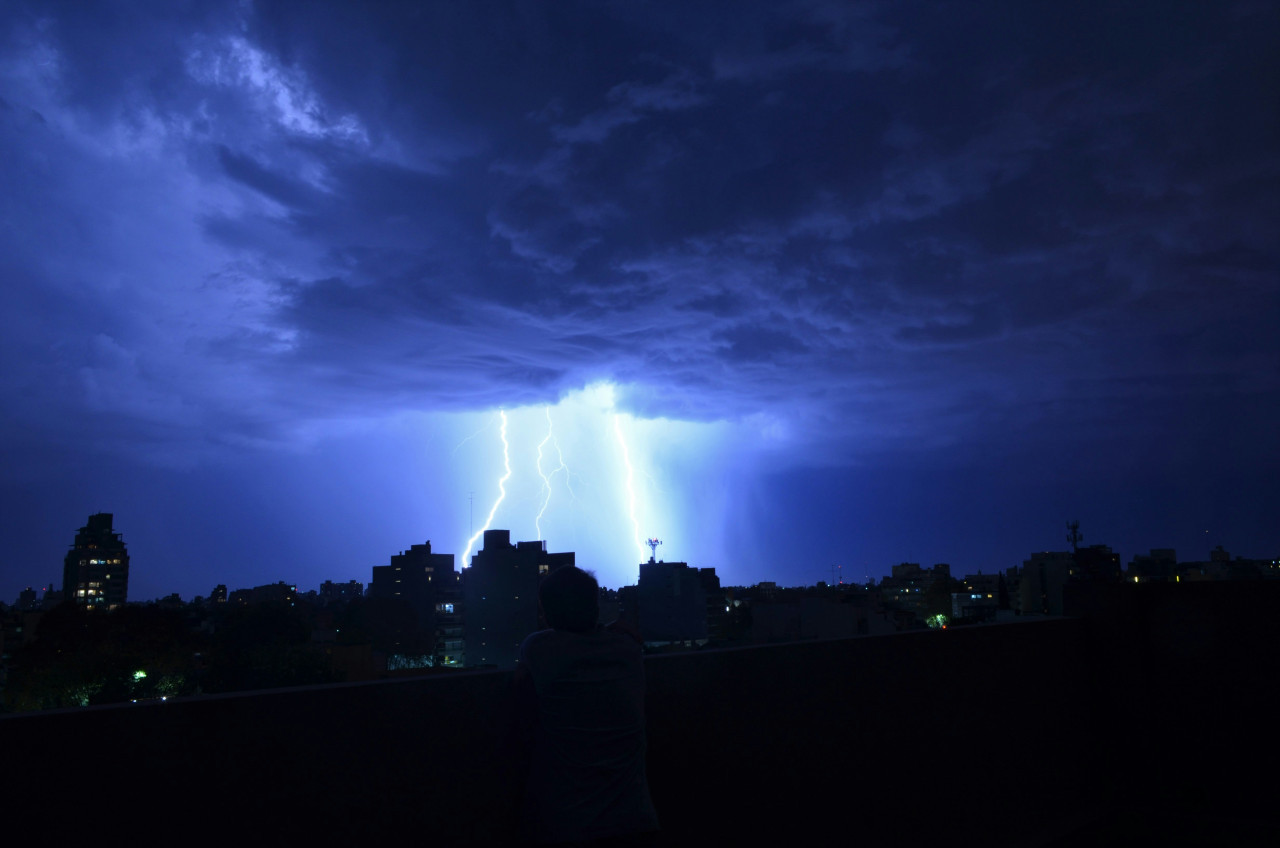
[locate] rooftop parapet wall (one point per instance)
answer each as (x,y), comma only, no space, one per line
(1016,734)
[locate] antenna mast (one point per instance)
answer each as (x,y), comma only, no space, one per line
(653,547)
(1075,535)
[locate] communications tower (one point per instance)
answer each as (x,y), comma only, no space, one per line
(653,547)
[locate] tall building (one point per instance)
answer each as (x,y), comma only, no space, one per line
(1043,576)
(95,573)
(672,601)
(500,595)
(429,583)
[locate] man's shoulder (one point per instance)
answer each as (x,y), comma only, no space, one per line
(534,642)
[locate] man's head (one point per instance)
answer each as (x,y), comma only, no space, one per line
(570,599)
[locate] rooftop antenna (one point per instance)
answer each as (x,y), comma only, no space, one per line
(653,547)
(1075,535)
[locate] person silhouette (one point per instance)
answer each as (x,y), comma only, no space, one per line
(580,689)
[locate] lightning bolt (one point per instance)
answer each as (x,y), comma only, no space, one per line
(631,488)
(559,455)
(546,478)
(502,488)
(546,481)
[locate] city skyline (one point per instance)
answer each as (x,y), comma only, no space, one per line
(834,575)
(805,285)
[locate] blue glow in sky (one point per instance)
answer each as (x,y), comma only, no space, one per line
(623,478)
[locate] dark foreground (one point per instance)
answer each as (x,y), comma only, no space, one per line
(1150,721)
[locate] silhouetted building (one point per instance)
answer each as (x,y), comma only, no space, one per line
(219,594)
(610,605)
(629,607)
(337,593)
(500,596)
(1160,565)
(973,606)
(716,607)
(981,584)
(1096,562)
(1011,590)
(95,572)
(1043,577)
(27,599)
(907,586)
(672,602)
(274,593)
(1220,566)
(978,597)
(430,584)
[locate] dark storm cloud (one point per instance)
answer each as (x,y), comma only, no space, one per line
(884,212)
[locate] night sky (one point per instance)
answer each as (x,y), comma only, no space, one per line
(793,284)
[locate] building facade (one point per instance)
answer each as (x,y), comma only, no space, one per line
(500,596)
(430,584)
(672,602)
(95,572)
